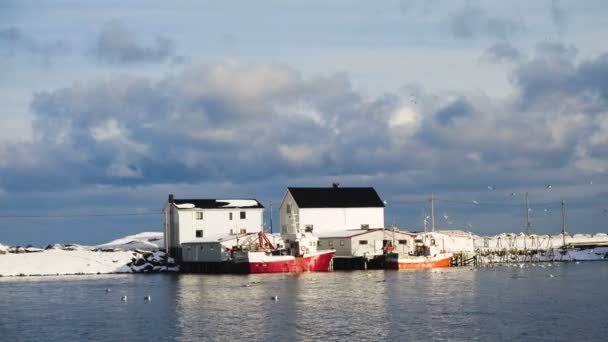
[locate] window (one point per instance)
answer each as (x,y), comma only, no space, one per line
(319,243)
(308,228)
(288,208)
(243,215)
(403,242)
(341,242)
(243,231)
(363,242)
(199,233)
(202,248)
(230,216)
(331,243)
(365,226)
(199,215)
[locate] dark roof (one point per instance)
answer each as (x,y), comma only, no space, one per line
(336,197)
(214,204)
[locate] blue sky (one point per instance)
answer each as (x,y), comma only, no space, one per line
(107,107)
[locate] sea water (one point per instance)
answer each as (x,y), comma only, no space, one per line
(557,303)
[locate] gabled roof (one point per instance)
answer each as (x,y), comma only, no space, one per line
(336,197)
(218,203)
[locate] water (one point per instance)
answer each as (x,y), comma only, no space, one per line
(457,304)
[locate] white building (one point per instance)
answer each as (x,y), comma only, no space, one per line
(187,220)
(366,242)
(321,210)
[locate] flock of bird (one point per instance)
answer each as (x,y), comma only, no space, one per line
(124,298)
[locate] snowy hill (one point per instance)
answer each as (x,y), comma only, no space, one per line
(135,253)
(145,240)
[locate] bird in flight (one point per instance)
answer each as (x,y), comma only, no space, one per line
(475,202)
(491,187)
(548,186)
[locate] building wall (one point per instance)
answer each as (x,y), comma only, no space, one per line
(289,220)
(205,252)
(336,219)
(374,246)
(217,222)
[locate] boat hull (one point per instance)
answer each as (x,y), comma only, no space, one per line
(317,262)
(396,263)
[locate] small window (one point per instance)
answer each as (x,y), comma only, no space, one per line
(319,243)
(202,248)
(243,215)
(308,228)
(341,242)
(243,231)
(230,216)
(199,233)
(403,242)
(363,242)
(365,226)
(199,215)
(288,208)
(331,243)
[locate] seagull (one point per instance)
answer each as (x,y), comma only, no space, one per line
(475,202)
(148,298)
(124,298)
(274,297)
(108,290)
(445,216)
(548,187)
(512,194)
(551,276)
(545,210)
(491,187)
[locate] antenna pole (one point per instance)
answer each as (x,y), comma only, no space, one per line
(433,212)
(270,216)
(528,227)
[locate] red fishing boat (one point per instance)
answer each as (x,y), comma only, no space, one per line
(301,256)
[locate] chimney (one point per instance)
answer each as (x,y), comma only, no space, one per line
(335,185)
(171,198)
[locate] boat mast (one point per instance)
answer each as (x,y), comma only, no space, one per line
(563,223)
(432,212)
(528,228)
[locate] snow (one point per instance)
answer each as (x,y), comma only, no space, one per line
(56,261)
(76,259)
(237,203)
(185,206)
(145,240)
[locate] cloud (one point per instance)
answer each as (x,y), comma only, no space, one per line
(14,41)
(470,21)
(262,123)
(558,16)
(116,44)
(502,52)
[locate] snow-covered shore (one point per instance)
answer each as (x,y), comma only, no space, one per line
(135,253)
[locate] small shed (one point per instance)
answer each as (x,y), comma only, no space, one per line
(367,242)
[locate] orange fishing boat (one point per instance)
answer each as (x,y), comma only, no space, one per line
(423,257)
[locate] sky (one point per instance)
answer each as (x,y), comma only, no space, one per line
(109,106)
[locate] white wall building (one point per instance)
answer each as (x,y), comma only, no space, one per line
(321,210)
(366,242)
(187,220)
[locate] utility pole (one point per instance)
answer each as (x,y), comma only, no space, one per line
(270,216)
(528,228)
(432,212)
(563,223)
